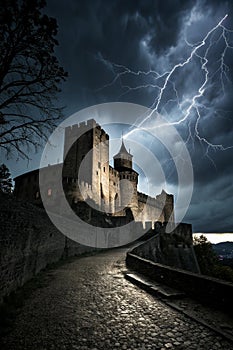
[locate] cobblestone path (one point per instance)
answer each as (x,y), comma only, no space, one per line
(87,304)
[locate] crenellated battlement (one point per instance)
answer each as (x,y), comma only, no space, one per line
(100,133)
(85,186)
(84,127)
(146,199)
(113,172)
(76,128)
(82,184)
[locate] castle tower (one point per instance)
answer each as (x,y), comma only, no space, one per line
(86,162)
(128,179)
(123,159)
(169,208)
(167,203)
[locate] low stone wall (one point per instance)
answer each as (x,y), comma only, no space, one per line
(174,249)
(28,243)
(204,288)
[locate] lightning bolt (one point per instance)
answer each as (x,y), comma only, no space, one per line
(160,82)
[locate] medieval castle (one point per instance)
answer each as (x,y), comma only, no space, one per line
(88,177)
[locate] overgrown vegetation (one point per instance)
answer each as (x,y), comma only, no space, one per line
(5,179)
(209,262)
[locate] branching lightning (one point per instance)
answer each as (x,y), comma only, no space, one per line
(189,107)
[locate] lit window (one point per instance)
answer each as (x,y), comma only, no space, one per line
(37,195)
(49,192)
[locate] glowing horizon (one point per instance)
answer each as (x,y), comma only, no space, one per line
(216,237)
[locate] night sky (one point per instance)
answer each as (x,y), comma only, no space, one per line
(122,51)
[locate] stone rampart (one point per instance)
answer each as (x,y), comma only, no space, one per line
(174,249)
(28,243)
(206,289)
(144,198)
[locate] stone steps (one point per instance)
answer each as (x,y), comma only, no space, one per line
(153,287)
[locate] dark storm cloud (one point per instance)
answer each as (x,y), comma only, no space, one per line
(126,22)
(115,30)
(215,212)
(166,20)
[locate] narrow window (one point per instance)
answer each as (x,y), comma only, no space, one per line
(104,169)
(101,191)
(49,192)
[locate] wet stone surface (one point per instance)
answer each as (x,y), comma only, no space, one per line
(88,304)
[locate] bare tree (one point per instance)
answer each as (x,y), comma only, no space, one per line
(30,76)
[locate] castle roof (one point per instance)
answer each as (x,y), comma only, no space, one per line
(123,151)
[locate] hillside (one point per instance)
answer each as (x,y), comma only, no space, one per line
(225,249)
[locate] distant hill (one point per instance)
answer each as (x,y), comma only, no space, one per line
(225,249)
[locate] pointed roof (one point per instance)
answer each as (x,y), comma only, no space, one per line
(123,148)
(122,151)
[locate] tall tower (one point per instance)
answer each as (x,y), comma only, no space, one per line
(128,179)
(86,163)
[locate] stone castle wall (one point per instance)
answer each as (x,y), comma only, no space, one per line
(29,242)
(173,249)
(206,289)
(152,209)
(148,212)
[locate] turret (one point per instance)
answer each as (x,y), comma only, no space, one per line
(123,159)
(128,178)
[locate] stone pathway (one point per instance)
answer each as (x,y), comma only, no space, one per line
(87,304)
